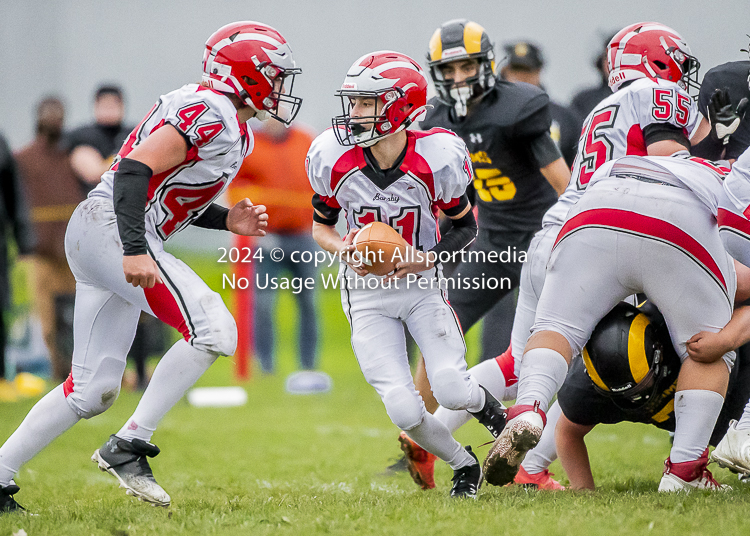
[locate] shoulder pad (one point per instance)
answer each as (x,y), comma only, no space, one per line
(519,100)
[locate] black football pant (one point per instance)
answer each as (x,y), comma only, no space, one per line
(497,305)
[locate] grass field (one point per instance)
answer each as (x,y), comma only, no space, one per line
(286,464)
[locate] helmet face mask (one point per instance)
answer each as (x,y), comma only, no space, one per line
(633,396)
(454,43)
(253,61)
(689,65)
(398,88)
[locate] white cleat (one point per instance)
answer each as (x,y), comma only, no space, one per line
(733,451)
(687,476)
(521,434)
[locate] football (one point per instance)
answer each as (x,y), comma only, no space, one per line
(377,243)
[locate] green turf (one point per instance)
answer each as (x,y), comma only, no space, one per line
(286,464)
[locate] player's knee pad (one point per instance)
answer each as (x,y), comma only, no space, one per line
(452,388)
(100,389)
(404,407)
(220,337)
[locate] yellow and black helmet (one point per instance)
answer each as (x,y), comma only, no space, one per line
(625,356)
(457,40)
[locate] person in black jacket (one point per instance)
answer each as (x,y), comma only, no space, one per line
(14,219)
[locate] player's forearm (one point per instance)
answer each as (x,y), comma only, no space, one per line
(462,232)
(557,174)
(737,331)
(573,454)
(130,196)
(327,237)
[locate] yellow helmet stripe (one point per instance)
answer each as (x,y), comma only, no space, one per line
(436,46)
(592,371)
(636,349)
(473,38)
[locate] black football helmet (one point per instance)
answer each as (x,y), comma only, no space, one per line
(456,40)
(625,356)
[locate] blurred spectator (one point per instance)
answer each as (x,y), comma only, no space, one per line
(274,175)
(14,221)
(524,64)
(585,100)
(53,192)
(93,147)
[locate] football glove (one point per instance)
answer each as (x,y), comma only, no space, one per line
(724,118)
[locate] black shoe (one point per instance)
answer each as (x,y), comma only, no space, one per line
(401,465)
(492,415)
(466,480)
(126,461)
(7,502)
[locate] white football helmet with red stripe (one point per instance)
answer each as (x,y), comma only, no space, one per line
(253,61)
(651,50)
(394,79)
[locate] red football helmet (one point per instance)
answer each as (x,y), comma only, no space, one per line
(253,61)
(393,79)
(651,50)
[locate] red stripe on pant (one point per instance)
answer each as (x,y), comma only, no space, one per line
(507,366)
(644,225)
(166,309)
(731,220)
(68,385)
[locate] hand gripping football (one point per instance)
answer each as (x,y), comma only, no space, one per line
(377,243)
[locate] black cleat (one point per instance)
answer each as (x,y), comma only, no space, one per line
(466,480)
(7,502)
(126,461)
(492,415)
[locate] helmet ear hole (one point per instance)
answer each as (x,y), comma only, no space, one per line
(660,64)
(249,81)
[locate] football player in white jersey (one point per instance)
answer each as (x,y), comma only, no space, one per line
(650,113)
(168,173)
(370,166)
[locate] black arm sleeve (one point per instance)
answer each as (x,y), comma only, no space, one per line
(544,150)
(214,217)
(708,148)
(471,193)
(462,233)
(330,215)
(130,198)
(665,131)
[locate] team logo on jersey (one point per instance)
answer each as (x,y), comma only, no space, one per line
(475,138)
(467,168)
(390,199)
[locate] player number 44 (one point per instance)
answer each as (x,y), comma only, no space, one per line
(240,255)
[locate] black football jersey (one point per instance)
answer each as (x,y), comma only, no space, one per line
(565,131)
(733,75)
(511,192)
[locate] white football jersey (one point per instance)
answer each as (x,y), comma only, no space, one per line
(706,179)
(703,177)
(218,144)
(615,129)
(435,172)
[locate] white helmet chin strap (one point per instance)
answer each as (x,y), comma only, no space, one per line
(262,115)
